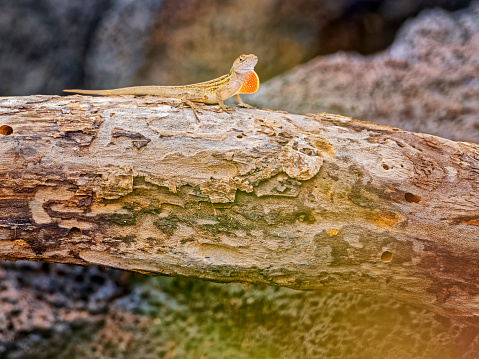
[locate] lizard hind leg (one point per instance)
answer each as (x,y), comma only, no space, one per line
(193,106)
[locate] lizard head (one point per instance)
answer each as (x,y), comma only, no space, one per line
(244,64)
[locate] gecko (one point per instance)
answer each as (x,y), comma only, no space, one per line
(242,79)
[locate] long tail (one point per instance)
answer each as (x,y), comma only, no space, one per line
(135,90)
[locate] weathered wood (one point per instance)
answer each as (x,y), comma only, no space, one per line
(315,202)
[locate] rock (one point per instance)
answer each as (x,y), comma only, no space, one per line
(426,81)
(188,318)
(44,43)
(114,43)
(120,43)
(44,306)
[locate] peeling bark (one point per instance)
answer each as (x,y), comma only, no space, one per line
(314,202)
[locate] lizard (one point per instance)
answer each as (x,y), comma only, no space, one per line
(242,79)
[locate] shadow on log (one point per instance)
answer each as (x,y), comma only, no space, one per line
(313,202)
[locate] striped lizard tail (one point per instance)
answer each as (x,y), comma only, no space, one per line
(165,91)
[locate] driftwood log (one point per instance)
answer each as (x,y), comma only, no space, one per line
(311,202)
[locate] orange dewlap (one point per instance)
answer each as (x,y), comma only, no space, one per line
(251,84)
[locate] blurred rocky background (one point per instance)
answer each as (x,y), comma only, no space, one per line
(412,64)
(427,80)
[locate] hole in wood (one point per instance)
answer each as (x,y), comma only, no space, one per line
(412,198)
(74,231)
(6,130)
(386,256)
(239,135)
(386,167)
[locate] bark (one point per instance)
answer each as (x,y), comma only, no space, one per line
(313,202)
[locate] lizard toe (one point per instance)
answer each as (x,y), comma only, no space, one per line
(245,105)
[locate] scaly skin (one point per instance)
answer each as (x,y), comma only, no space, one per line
(241,79)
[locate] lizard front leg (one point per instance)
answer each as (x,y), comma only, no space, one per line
(223,106)
(224,93)
(241,103)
